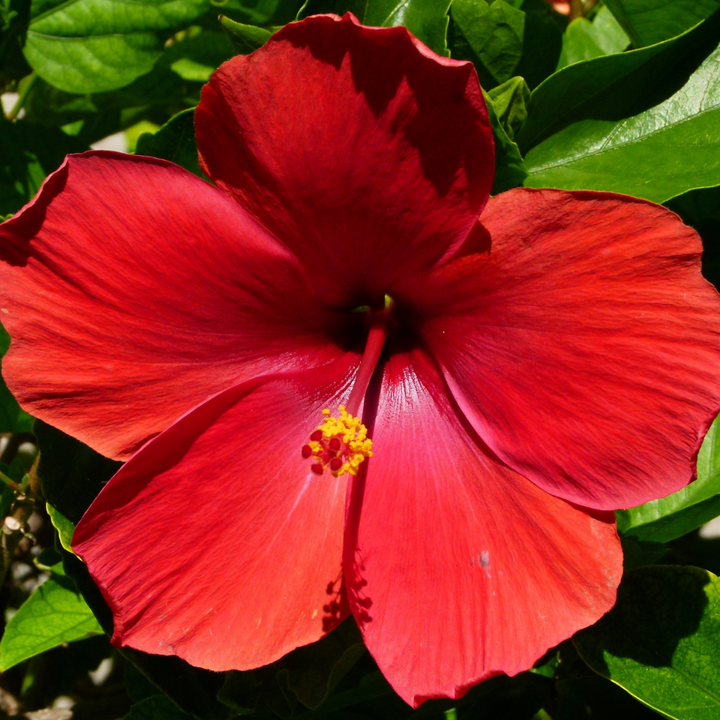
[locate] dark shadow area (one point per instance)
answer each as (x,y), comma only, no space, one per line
(71,473)
(691,549)
(192,689)
(336,607)
(595,697)
(657,606)
(701,210)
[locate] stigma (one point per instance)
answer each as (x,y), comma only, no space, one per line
(339,445)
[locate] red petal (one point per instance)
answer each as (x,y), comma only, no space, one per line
(216,542)
(133,290)
(457,568)
(362,150)
(584,346)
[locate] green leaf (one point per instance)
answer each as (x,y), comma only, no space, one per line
(661,641)
(657,154)
(494,32)
(94,45)
(157,707)
(509,166)
(510,101)
(54,614)
(615,86)
(542,42)
(245,38)
(155,97)
(197,56)
(672,517)
(426,19)
(63,526)
(28,153)
(651,21)
(264,13)
(584,40)
(174,141)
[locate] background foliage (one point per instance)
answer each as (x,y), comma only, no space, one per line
(620,95)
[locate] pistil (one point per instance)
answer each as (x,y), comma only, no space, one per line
(340,444)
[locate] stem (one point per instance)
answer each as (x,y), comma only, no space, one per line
(13,528)
(10,483)
(15,440)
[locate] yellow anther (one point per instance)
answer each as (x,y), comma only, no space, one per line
(356,446)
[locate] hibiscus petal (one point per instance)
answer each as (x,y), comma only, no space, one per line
(584,346)
(216,542)
(457,568)
(362,150)
(134,290)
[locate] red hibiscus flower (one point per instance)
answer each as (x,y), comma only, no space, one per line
(528,374)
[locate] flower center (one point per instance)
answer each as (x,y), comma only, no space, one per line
(340,444)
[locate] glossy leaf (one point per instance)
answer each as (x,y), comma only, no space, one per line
(661,641)
(657,154)
(426,19)
(651,21)
(540,46)
(54,614)
(584,40)
(510,169)
(494,32)
(156,707)
(94,45)
(174,141)
(616,86)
